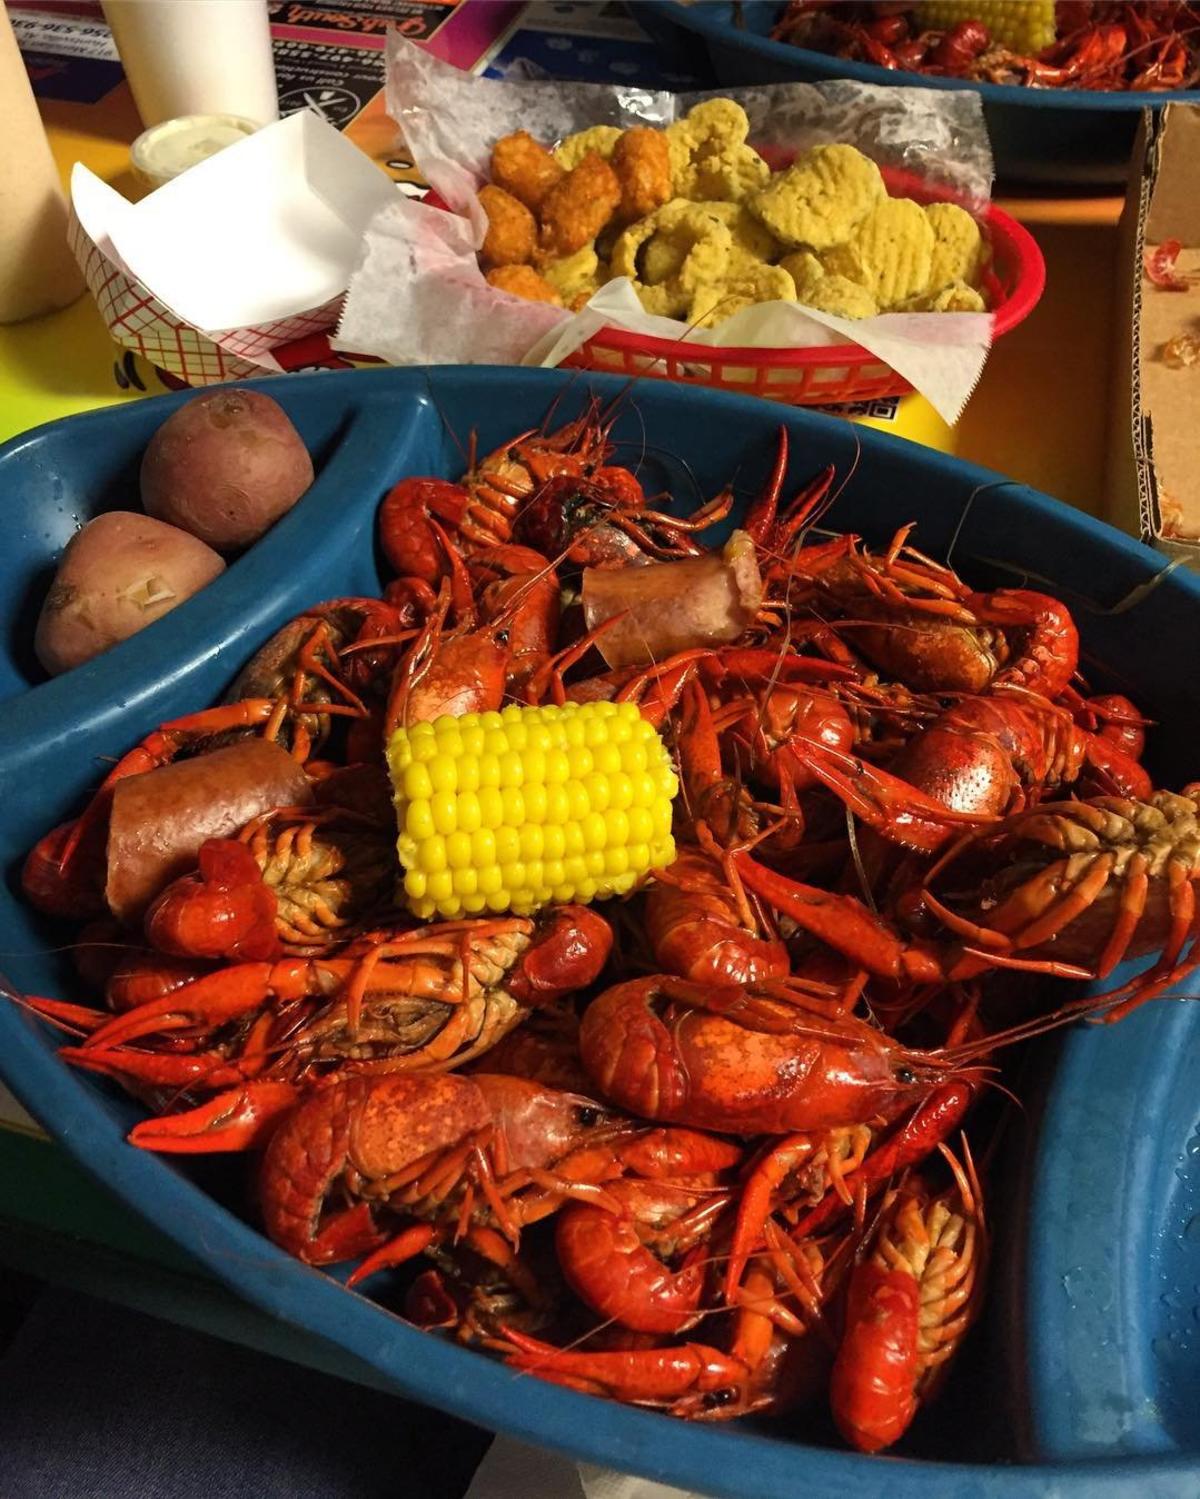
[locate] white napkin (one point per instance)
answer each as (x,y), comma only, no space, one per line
(511,1470)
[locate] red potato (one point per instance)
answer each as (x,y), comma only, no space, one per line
(120,573)
(666,607)
(160,819)
(225,467)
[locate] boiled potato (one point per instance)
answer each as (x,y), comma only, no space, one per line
(225,467)
(120,573)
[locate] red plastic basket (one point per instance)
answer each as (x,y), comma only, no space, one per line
(832,374)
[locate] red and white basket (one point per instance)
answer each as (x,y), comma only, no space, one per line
(831,374)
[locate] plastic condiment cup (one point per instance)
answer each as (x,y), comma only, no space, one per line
(164,151)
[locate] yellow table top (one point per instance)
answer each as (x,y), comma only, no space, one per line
(1039,413)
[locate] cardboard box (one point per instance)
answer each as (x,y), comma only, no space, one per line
(1154,457)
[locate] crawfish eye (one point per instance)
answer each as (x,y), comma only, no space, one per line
(717,1398)
(588,1116)
(905,1075)
(501,637)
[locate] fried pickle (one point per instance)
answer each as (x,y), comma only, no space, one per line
(820,198)
(958,246)
(894,243)
(600,138)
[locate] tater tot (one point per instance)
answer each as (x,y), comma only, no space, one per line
(512,231)
(578,208)
(523,281)
(642,163)
(524,168)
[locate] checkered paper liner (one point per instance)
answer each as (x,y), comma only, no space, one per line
(137,320)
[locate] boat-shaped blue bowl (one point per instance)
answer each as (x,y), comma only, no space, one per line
(1040,137)
(1083,1378)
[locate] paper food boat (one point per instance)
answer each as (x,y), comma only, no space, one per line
(237,267)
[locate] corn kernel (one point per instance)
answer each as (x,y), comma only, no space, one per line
(418,784)
(596,786)
(458,850)
(418,820)
(641,825)
(491,807)
(607,759)
(444,809)
(431,854)
(511,810)
(468,811)
(443,774)
(558,806)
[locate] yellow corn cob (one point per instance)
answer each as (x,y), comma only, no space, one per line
(1024,26)
(509,811)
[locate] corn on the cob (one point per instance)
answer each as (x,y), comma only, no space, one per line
(509,811)
(1024,26)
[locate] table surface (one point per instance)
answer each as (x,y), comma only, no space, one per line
(1040,415)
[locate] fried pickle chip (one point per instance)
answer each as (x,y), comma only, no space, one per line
(805,270)
(957,297)
(751,242)
(840,297)
(660,257)
(512,232)
(523,281)
(575,210)
(847,260)
(958,246)
(710,160)
(895,244)
(691,246)
(642,163)
(573,148)
(524,168)
(820,198)
(715,301)
(573,274)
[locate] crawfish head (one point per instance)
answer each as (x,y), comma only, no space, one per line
(562,510)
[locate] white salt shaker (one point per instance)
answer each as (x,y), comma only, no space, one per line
(196,57)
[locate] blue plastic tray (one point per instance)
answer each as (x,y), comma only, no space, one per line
(1083,1378)
(1040,137)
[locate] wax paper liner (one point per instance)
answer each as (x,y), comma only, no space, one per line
(418,296)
